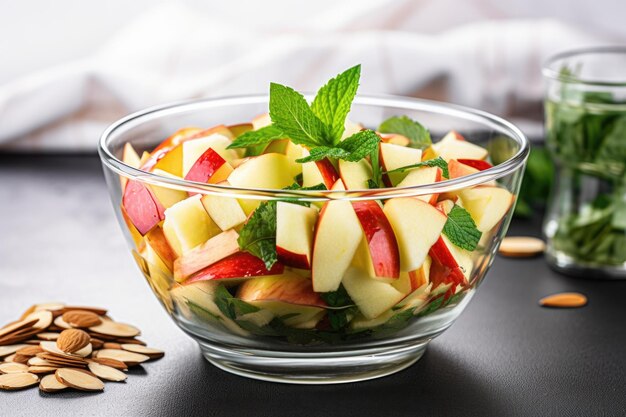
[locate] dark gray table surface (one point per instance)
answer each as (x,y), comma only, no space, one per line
(505,356)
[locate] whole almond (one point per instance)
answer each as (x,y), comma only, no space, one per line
(72,340)
(81,318)
(564,300)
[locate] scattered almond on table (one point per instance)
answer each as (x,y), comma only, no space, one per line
(521,247)
(564,300)
(60,347)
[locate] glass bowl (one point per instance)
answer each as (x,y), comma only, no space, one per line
(275,327)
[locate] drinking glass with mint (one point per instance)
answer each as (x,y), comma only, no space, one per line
(586,136)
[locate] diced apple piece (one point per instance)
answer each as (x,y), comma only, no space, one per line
(486,204)
(423,176)
(428,153)
(416,299)
(130,158)
(445,206)
(451,265)
(458,170)
(134,233)
(226,212)
(240,129)
(202,294)
(261,120)
(209,168)
(417,226)
(142,208)
(412,280)
(394,139)
(288,288)
(171,162)
(394,157)
(158,275)
(337,238)
(454,146)
(355,174)
(187,225)
(205,254)
(380,238)
(157,240)
(478,164)
(239,266)
(311,175)
(162,151)
(193,149)
(167,196)
(372,297)
(271,170)
(277,146)
(294,234)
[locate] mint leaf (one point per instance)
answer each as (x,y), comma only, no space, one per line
(339,298)
(263,136)
(258,235)
(436,162)
(417,134)
(332,102)
(461,229)
(352,149)
(291,114)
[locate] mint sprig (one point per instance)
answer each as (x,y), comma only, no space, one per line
(262,136)
(291,114)
(352,149)
(258,235)
(333,101)
(436,162)
(418,135)
(461,229)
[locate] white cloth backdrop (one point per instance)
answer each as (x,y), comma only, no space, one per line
(471,51)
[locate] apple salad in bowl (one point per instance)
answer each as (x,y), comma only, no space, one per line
(327,240)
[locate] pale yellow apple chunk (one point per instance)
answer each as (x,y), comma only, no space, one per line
(452,148)
(205,254)
(272,170)
(172,162)
(226,212)
(311,175)
(371,296)
(187,224)
(350,128)
(462,257)
(355,174)
(130,158)
(159,277)
(300,316)
(294,229)
(417,226)
(397,156)
(487,205)
(167,196)
(193,149)
(417,298)
(202,295)
(422,176)
(337,238)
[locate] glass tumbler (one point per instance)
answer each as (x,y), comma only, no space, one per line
(585,108)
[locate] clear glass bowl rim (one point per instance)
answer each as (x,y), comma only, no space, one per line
(552,73)
(152,113)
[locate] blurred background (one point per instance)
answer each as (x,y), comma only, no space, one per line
(71,67)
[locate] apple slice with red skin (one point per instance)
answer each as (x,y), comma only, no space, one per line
(213,250)
(143,210)
(288,288)
(157,240)
(205,167)
(395,156)
(479,164)
(328,171)
(457,169)
(167,145)
(294,234)
(237,266)
(445,268)
(454,146)
(380,237)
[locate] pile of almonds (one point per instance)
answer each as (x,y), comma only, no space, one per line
(60,347)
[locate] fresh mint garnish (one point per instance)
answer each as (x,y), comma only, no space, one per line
(418,135)
(352,149)
(291,114)
(262,136)
(230,306)
(258,235)
(461,229)
(296,186)
(436,162)
(333,101)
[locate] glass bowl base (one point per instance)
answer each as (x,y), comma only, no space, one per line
(322,368)
(567,265)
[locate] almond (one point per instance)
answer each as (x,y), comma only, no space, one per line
(564,300)
(30,350)
(78,380)
(72,340)
(12,368)
(50,383)
(107,373)
(81,318)
(521,247)
(113,363)
(17,381)
(116,329)
(150,352)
